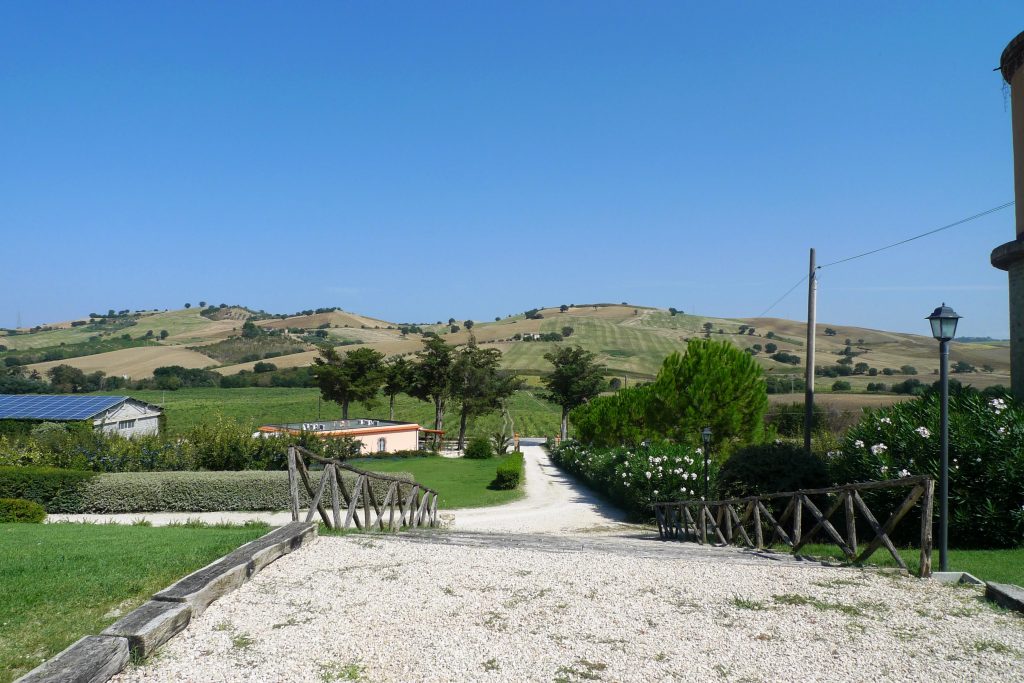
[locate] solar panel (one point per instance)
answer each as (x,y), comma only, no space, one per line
(49,407)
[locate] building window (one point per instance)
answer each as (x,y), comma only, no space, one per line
(382,444)
(125,424)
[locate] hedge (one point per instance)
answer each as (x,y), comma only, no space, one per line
(122,492)
(510,472)
(57,490)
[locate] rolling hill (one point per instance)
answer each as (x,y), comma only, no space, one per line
(630,340)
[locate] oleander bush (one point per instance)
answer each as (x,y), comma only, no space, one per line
(510,472)
(636,478)
(986,459)
(57,490)
(21,510)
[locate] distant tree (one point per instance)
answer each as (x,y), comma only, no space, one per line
(567,331)
(876,386)
(148,335)
(188,305)
(743,329)
(615,384)
(908,370)
(397,377)
(575,378)
(451,321)
(497,318)
(468,324)
(841,385)
(356,376)
(860,342)
(264,367)
(70,380)
(771,348)
(750,331)
(708,327)
(963,366)
(788,358)
(860,368)
(164,334)
(453,329)
(563,308)
(672,311)
(872,372)
(757,348)
(202,304)
(249,330)
(770,335)
(829,332)
(888,371)
(432,376)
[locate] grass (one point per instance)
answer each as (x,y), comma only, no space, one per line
(59,582)
(257,406)
(460,482)
(1001,566)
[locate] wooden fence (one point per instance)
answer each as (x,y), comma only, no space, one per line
(406,503)
(736,520)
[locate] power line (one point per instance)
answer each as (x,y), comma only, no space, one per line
(923,234)
(788,292)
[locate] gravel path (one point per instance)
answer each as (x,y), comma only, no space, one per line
(553,503)
(393,608)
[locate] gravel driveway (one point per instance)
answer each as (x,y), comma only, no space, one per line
(389,609)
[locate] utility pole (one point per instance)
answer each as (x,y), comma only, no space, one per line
(812,305)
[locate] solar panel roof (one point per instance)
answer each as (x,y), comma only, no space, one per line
(54,407)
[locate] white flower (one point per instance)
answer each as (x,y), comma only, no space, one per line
(700,451)
(693,475)
(879,448)
(858,444)
(904,473)
(978,460)
(1001,431)
(886,420)
(626,484)
(883,469)
(655,491)
(923,431)
(691,493)
(647,474)
(998,405)
(625,475)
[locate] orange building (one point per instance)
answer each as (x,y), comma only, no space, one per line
(375,436)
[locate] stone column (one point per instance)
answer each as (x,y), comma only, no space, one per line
(1010,256)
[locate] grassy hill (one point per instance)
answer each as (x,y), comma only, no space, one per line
(630,340)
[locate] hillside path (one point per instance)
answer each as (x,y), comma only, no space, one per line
(554,503)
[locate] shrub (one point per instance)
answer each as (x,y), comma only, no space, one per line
(57,490)
(986,458)
(841,385)
(21,510)
(770,468)
(510,472)
(479,449)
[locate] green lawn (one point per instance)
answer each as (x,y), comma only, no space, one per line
(256,406)
(1001,566)
(59,582)
(461,483)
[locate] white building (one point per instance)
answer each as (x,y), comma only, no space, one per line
(121,415)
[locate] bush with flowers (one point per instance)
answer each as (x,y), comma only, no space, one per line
(634,478)
(986,461)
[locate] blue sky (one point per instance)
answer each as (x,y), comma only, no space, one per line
(415,161)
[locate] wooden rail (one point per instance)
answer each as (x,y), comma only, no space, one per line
(733,521)
(415,504)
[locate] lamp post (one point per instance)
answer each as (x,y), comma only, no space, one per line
(943,320)
(705,435)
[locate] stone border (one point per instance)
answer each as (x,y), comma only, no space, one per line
(95,659)
(1006,595)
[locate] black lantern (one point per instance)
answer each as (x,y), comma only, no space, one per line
(943,320)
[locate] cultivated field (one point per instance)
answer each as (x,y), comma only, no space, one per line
(632,341)
(136,363)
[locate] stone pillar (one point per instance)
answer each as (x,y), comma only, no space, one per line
(1010,256)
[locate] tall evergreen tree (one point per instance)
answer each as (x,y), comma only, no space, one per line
(575,379)
(432,376)
(356,376)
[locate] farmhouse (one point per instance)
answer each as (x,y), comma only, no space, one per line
(121,415)
(375,436)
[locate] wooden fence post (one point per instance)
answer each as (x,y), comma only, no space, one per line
(293,483)
(926,528)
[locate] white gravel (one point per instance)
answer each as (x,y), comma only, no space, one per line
(387,609)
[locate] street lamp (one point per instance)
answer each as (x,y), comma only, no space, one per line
(705,435)
(944,320)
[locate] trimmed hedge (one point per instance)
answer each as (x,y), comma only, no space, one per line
(21,510)
(88,492)
(510,472)
(57,490)
(479,449)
